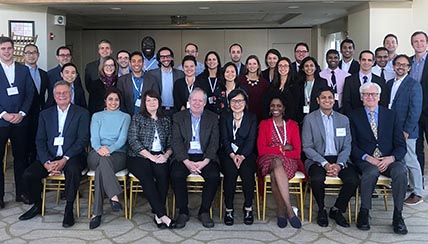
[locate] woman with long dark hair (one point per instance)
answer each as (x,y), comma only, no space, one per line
(210,79)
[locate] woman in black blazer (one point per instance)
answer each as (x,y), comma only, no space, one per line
(238,130)
(210,79)
(184,86)
(307,88)
(271,59)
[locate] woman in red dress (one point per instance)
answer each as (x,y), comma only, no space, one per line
(279,155)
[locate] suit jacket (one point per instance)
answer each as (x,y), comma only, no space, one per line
(299,94)
(20,102)
(408,104)
(242,70)
(156,75)
(424,84)
(351,98)
(39,99)
(75,133)
(79,97)
(126,87)
(354,68)
(246,135)
(182,135)
(314,138)
(390,135)
(91,73)
(55,75)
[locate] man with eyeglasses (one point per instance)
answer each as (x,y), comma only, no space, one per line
(235,53)
(192,49)
(382,69)
(64,56)
(348,64)
(16,96)
(406,101)
(351,98)
(122,59)
(378,147)
(419,72)
(301,51)
(41,82)
(165,76)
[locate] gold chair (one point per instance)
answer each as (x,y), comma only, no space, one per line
(239,189)
(57,183)
(383,186)
(6,147)
(295,188)
(333,186)
(121,177)
(194,185)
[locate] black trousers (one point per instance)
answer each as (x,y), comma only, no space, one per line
(423,134)
(154,179)
(36,172)
(211,175)
(231,172)
(18,138)
(349,177)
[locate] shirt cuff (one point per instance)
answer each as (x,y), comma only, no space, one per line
(22,113)
(324,163)
(66,157)
(3,113)
(364,156)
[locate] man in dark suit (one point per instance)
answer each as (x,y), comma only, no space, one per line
(378,147)
(64,56)
(195,141)
(348,64)
(326,141)
(301,51)
(419,72)
(16,96)
(165,76)
(62,137)
(134,84)
(41,82)
(235,53)
(351,97)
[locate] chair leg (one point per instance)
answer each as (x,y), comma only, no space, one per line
(44,197)
(264,198)
(349,212)
(5,158)
(91,181)
(385,197)
(221,200)
(131,196)
(125,198)
(173,205)
(310,205)
(302,204)
(356,204)
(78,203)
(257,199)
(58,191)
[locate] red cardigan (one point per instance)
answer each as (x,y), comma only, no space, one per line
(265,139)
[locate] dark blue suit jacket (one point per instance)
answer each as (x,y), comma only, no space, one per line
(354,68)
(390,135)
(75,133)
(20,102)
(407,105)
(54,76)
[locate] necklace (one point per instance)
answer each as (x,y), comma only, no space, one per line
(252,82)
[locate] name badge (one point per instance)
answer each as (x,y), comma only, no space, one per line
(306,109)
(12,91)
(234,147)
(195,145)
(138,103)
(187,105)
(59,141)
(389,105)
(336,96)
(340,132)
(211,100)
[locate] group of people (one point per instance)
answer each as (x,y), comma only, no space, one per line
(354,120)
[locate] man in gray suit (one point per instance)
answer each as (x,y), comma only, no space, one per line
(326,141)
(165,76)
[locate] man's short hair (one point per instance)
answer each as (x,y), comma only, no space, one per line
(136,53)
(367,85)
(323,89)
(390,35)
(31,45)
(104,41)
(235,44)
(62,83)
(365,51)
(301,44)
(63,47)
(331,51)
(191,44)
(347,40)
(418,33)
(122,51)
(197,89)
(379,49)
(68,65)
(5,39)
(402,56)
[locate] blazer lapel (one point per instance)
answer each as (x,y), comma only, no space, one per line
(70,115)
(321,128)
(400,89)
(3,76)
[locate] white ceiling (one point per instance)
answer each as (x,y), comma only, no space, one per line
(101,14)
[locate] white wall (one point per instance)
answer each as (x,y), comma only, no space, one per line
(359,30)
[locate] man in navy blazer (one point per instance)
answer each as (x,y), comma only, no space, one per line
(195,141)
(378,147)
(16,96)
(348,63)
(62,137)
(326,141)
(406,101)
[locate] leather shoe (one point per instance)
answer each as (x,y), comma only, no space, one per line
(363,219)
(1,203)
(23,198)
(322,219)
(95,222)
(248,217)
(171,224)
(228,218)
(206,220)
(338,217)
(69,219)
(399,226)
(116,206)
(281,222)
(160,225)
(181,220)
(295,222)
(31,213)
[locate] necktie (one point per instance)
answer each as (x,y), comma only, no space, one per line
(333,81)
(72,94)
(365,78)
(382,73)
(373,126)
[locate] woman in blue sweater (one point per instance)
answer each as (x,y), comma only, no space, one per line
(109,131)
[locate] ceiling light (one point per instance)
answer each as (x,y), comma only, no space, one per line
(293,7)
(115,8)
(178,19)
(204,8)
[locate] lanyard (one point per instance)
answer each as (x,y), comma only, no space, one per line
(234,128)
(308,93)
(135,85)
(195,128)
(148,67)
(212,86)
(277,132)
(190,89)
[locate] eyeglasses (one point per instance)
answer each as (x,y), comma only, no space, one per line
(62,93)
(109,65)
(30,53)
(283,66)
(372,94)
(191,51)
(65,55)
(401,65)
(237,101)
(165,56)
(301,52)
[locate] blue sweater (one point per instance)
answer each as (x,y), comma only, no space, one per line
(110,128)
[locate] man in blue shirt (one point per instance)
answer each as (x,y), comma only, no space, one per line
(192,49)
(148,47)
